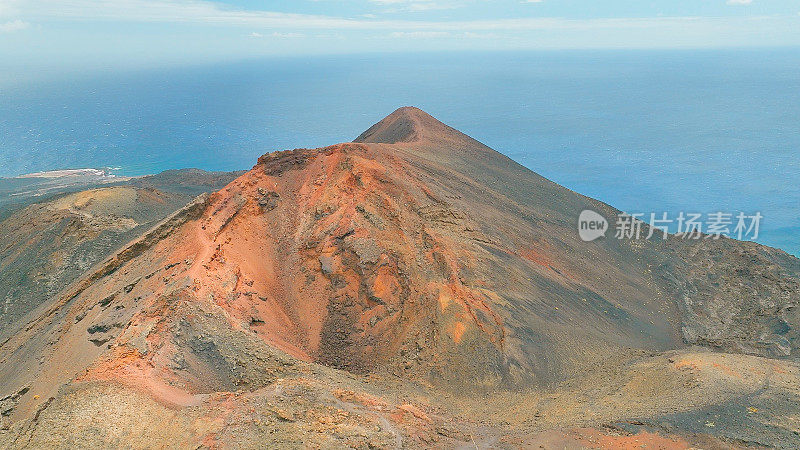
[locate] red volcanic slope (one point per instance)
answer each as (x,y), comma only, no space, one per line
(413,251)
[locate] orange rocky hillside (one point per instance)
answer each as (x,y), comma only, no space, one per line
(413,253)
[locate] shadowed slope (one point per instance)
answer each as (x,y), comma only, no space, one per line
(412,125)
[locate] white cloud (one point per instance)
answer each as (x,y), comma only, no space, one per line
(291,25)
(287,35)
(8,7)
(739,2)
(418,5)
(419,34)
(440,35)
(14,25)
(206,12)
(176,11)
(276,34)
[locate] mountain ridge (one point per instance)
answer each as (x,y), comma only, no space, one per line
(423,256)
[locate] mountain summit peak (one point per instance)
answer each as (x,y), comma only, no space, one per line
(407,124)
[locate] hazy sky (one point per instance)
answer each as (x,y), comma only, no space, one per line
(57,34)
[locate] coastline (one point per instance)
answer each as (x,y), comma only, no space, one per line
(101,173)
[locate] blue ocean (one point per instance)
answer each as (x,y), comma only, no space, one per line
(645,131)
